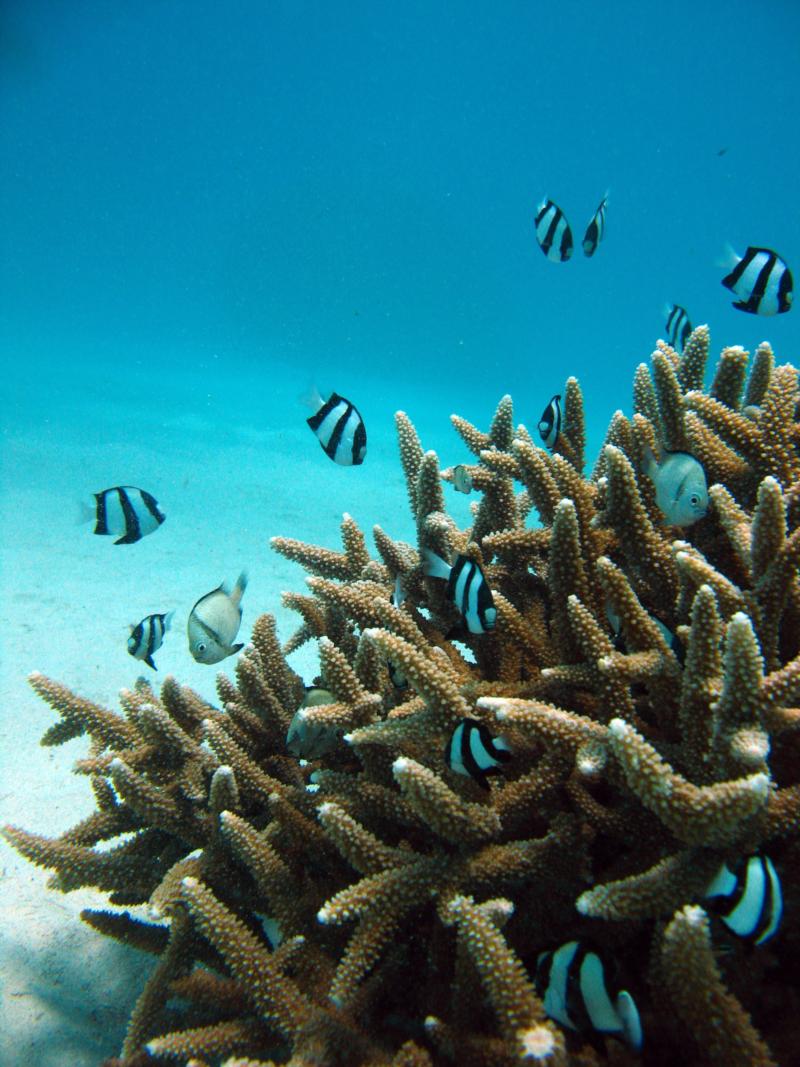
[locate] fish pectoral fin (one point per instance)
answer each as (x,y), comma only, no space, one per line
(236,648)
(149,661)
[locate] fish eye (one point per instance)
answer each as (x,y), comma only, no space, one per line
(201,646)
(694,500)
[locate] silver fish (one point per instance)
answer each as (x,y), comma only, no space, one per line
(462,479)
(214,622)
(681,487)
(309,739)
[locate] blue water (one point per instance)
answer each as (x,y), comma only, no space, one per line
(192,194)
(205,207)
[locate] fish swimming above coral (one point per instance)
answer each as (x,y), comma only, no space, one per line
(147,637)
(762,281)
(338,426)
(553,232)
(214,623)
(462,481)
(596,229)
(124,512)
(550,423)
(681,487)
(679,328)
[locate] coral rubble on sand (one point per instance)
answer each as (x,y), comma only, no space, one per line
(372,907)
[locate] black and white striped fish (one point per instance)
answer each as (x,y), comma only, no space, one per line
(553,232)
(748,898)
(678,326)
(147,637)
(550,423)
(672,640)
(339,428)
(125,512)
(467,588)
(596,229)
(572,983)
(473,751)
(761,280)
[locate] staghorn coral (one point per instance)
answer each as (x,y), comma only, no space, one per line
(373,907)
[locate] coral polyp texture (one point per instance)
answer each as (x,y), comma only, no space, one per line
(371,906)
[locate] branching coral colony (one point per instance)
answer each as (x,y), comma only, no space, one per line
(372,907)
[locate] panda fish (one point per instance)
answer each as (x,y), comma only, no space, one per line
(679,328)
(596,228)
(473,751)
(214,623)
(748,898)
(124,512)
(550,423)
(339,428)
(553,232)
(572,983)
(147,637)
(467,588)
(761,280)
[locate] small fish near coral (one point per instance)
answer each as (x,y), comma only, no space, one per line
(550,423)
(124,512)
(308,739)
(672,640)
(748,898)
(553,232)
(462,480)
(338,426)
(572,983)
(473,751)
(762,281)
(681,487)
(147,637)
(596,229)
(679,327)
(467,588)
(214,623)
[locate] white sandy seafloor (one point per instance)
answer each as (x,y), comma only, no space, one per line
(228,476)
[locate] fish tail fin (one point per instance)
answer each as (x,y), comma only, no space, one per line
(649,463)
(85,513)
(239,588)
(434,566)
(168,620)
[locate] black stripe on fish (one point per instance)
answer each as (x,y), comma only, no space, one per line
(472,750)
(468,589)
(679,327)
(596,229)
(773,274)
(133,529)
(553,232)
(550,423)
(332,439)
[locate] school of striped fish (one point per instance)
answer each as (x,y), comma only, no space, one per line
(579,986)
